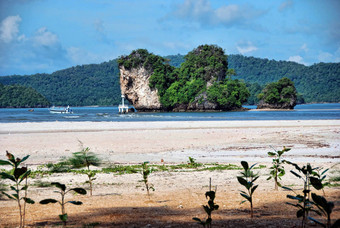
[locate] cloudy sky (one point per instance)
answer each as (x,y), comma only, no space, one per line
(42,36)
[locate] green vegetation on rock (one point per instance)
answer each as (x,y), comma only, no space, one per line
(279,95)
(198,84)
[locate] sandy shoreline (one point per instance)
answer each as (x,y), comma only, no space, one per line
(208,141)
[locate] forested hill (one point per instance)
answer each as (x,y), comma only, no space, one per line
(317,83)
(94,84)
(98,84)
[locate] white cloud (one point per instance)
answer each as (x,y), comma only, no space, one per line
(245,47)
(201,11)
(297,59)
(304,47)
(325,57)
(9,28)
(286,5)
(81,56)
(44,37)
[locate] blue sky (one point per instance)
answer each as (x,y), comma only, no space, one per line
(42,36)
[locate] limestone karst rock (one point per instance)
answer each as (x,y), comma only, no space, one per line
(134,84)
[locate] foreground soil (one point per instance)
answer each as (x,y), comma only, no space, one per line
(119,201)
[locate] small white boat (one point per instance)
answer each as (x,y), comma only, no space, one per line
(61,110)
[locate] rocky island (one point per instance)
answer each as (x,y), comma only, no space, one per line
(278,95)
(202,83)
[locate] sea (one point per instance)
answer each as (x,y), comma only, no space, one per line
(329,111)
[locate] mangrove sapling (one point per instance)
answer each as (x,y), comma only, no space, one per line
(208,208)
(247,179)
(146,171)
(304,205)
(325,208)
(277,170)
(17,175)
(63,216)
(85,158)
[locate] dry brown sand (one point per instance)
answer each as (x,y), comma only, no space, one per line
(179,195)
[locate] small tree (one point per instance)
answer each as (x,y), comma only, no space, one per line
(85,158)
(277,170)
(63,216)
(208,208)
(17,175)
(325,207)
(146,171)
(247,179)
(304,205)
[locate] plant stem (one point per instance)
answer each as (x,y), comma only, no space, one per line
(63,206)
(19,204)
(23,220)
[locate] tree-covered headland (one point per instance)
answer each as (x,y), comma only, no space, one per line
(17,96)
(202,82)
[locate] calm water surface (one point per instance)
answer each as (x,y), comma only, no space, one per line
(301,112)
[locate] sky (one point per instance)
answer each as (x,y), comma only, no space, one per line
(43,36)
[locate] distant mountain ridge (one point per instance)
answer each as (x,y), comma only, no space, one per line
(98,84)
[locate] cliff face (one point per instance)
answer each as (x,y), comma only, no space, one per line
(134,84)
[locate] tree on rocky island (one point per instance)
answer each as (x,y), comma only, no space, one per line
(199,84)
(278,95)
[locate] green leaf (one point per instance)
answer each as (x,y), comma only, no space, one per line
(243,201)
(3,162)
(25,175)
(22,160)
(316,183)
(242,181)
(253,189)
(294,197)
(271,154)
(79,190)
(252,166)
(245,165)
(60,186)
(197,219)
(75,202)
(316,221)
(28,200)
(322,202)
(47,201)
(270,177)
(255,179)
(246,196)
(324,171)
(7,176)
(299,213)
(63,217)
(24,188)
(295,174)
(9,196)
(14,189)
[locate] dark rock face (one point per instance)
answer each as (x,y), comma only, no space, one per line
(287,105)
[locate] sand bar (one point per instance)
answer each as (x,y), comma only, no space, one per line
(174,141)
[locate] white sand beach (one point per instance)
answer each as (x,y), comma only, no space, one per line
(207,141)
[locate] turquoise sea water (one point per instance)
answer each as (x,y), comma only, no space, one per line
(301,112)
